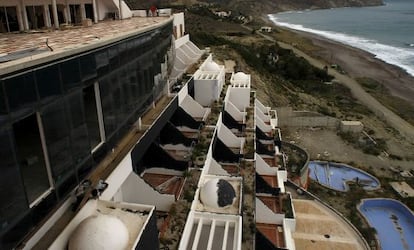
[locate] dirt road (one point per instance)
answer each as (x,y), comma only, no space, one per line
(359,93)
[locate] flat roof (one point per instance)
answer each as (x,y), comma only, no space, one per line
(68,41)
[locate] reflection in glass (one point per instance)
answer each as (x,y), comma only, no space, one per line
(92,121)
(30,157)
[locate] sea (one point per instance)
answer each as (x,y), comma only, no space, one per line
(385,31)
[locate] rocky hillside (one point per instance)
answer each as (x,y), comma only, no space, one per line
(258,7)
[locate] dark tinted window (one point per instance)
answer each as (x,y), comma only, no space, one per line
(20,90)
(48,81)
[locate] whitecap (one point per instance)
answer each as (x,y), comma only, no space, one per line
(402,57)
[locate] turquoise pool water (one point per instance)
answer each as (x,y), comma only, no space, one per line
(393,221)
(336,176)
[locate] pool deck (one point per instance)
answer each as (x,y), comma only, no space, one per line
(317,227)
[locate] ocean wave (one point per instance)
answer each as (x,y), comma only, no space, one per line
(401,57)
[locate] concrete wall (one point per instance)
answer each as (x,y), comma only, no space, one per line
(228,138)
(239,96)
(136,190)
(179,24)
(205,91)
(230,108)
(263,126)
(290,118)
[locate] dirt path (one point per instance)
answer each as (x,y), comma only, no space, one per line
(359,93)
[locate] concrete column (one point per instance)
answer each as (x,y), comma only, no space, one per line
(82,11)
(95,11)
(55,14)
(24,15)
(19,16)
(69,20)
(46,16)
(120,9)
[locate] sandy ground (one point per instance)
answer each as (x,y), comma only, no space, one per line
(375,68)
(358,63)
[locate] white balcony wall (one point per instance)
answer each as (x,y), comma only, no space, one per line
(261,115)
(181,41)
(265,215)
(239,96)
(193,108)
(213,168)
(274,121)
(228,138)
(262,126)
(262,168)
(263,108)
(123,184)
(146,195)
(235,112)
(288,228)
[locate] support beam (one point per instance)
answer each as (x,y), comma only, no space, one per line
(55,14)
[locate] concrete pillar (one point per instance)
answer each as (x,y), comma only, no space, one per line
(120,9)
(69,20)
(20,16)
(82,11)
(24,15)
(46,16)
(55,14)
(95,11)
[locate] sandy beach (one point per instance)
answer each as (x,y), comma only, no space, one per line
(359,63)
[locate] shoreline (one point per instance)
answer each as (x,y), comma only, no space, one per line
(359,63)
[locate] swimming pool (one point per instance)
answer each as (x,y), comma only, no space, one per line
(393,221)
(337,175)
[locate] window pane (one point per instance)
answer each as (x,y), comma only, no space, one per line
(20,90)
(102,62)
(3,107)
(113,57)
(78,130)
(88,67)
(70,73)
(13,199)
(30,157)
(56,129)
(48,81)
(89,102)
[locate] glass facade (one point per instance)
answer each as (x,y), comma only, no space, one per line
(61,118)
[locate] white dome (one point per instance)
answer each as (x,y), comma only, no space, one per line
(240,76)
(99,232)
(217,193)
(211,66)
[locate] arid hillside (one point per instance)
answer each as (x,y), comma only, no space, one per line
(258,7)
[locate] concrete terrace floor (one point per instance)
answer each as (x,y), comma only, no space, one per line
(68,38)
(73,35)
(317,227)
